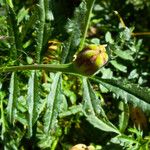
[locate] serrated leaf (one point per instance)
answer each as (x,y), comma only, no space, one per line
(53,103)
(124,116)
(91,108)
(129,92)
(124,140)
(91,103)
(101,124)
(126,55)
(33,101)
(30,23)
(118,66)
(13,95)
(2,118)
(74,27)
(39,29)
(126,34)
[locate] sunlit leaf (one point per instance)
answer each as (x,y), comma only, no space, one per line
(109,38)
(10,3)
(124,116)
(71,111)
(22,14)
(101,124)
(118,66)
(129,92)
(91,103)
(34,102)
(53,104)
(91,106)
(13,95)
(126,55)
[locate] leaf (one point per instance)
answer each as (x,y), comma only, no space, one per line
(22,14)
(74,27)
(101,124)
(91,107)
(118,66)
(125,141)
(40,22)
(129,92)
(109,38)
(10,3)
(34,103)
(124,116)
(126,55)
(2,118)
(71,111)
(13,95)
(91,103)
(31,22)
(126,34)
(53,103)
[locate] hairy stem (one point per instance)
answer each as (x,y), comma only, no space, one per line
(90,4)
(68,68)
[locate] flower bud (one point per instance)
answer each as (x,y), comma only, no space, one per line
(91,59)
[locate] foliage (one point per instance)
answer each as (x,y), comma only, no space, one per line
(55,107)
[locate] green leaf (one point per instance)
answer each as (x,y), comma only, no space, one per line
(34,103)
(13,95)
(2,118)
(129,92)
(9,2)
(71,111)
(91,107)
(53,104)
(126,55)
(101,124)
(31,22)
(22,14)
(109,38)
(91,103)
(124,116)
(118,66)
(126,141)
(75,29)
(40,22)
(126,34)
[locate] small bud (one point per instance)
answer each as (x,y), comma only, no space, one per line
(91,59)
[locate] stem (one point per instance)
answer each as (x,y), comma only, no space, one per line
(90,4)
(120,18)
(140,33)
(68,68)
(124,26)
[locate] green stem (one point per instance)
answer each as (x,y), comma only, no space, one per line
(68,68)
(90,4)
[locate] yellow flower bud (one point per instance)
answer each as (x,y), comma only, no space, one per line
(91,59)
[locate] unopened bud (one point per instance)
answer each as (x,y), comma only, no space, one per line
(91,59)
